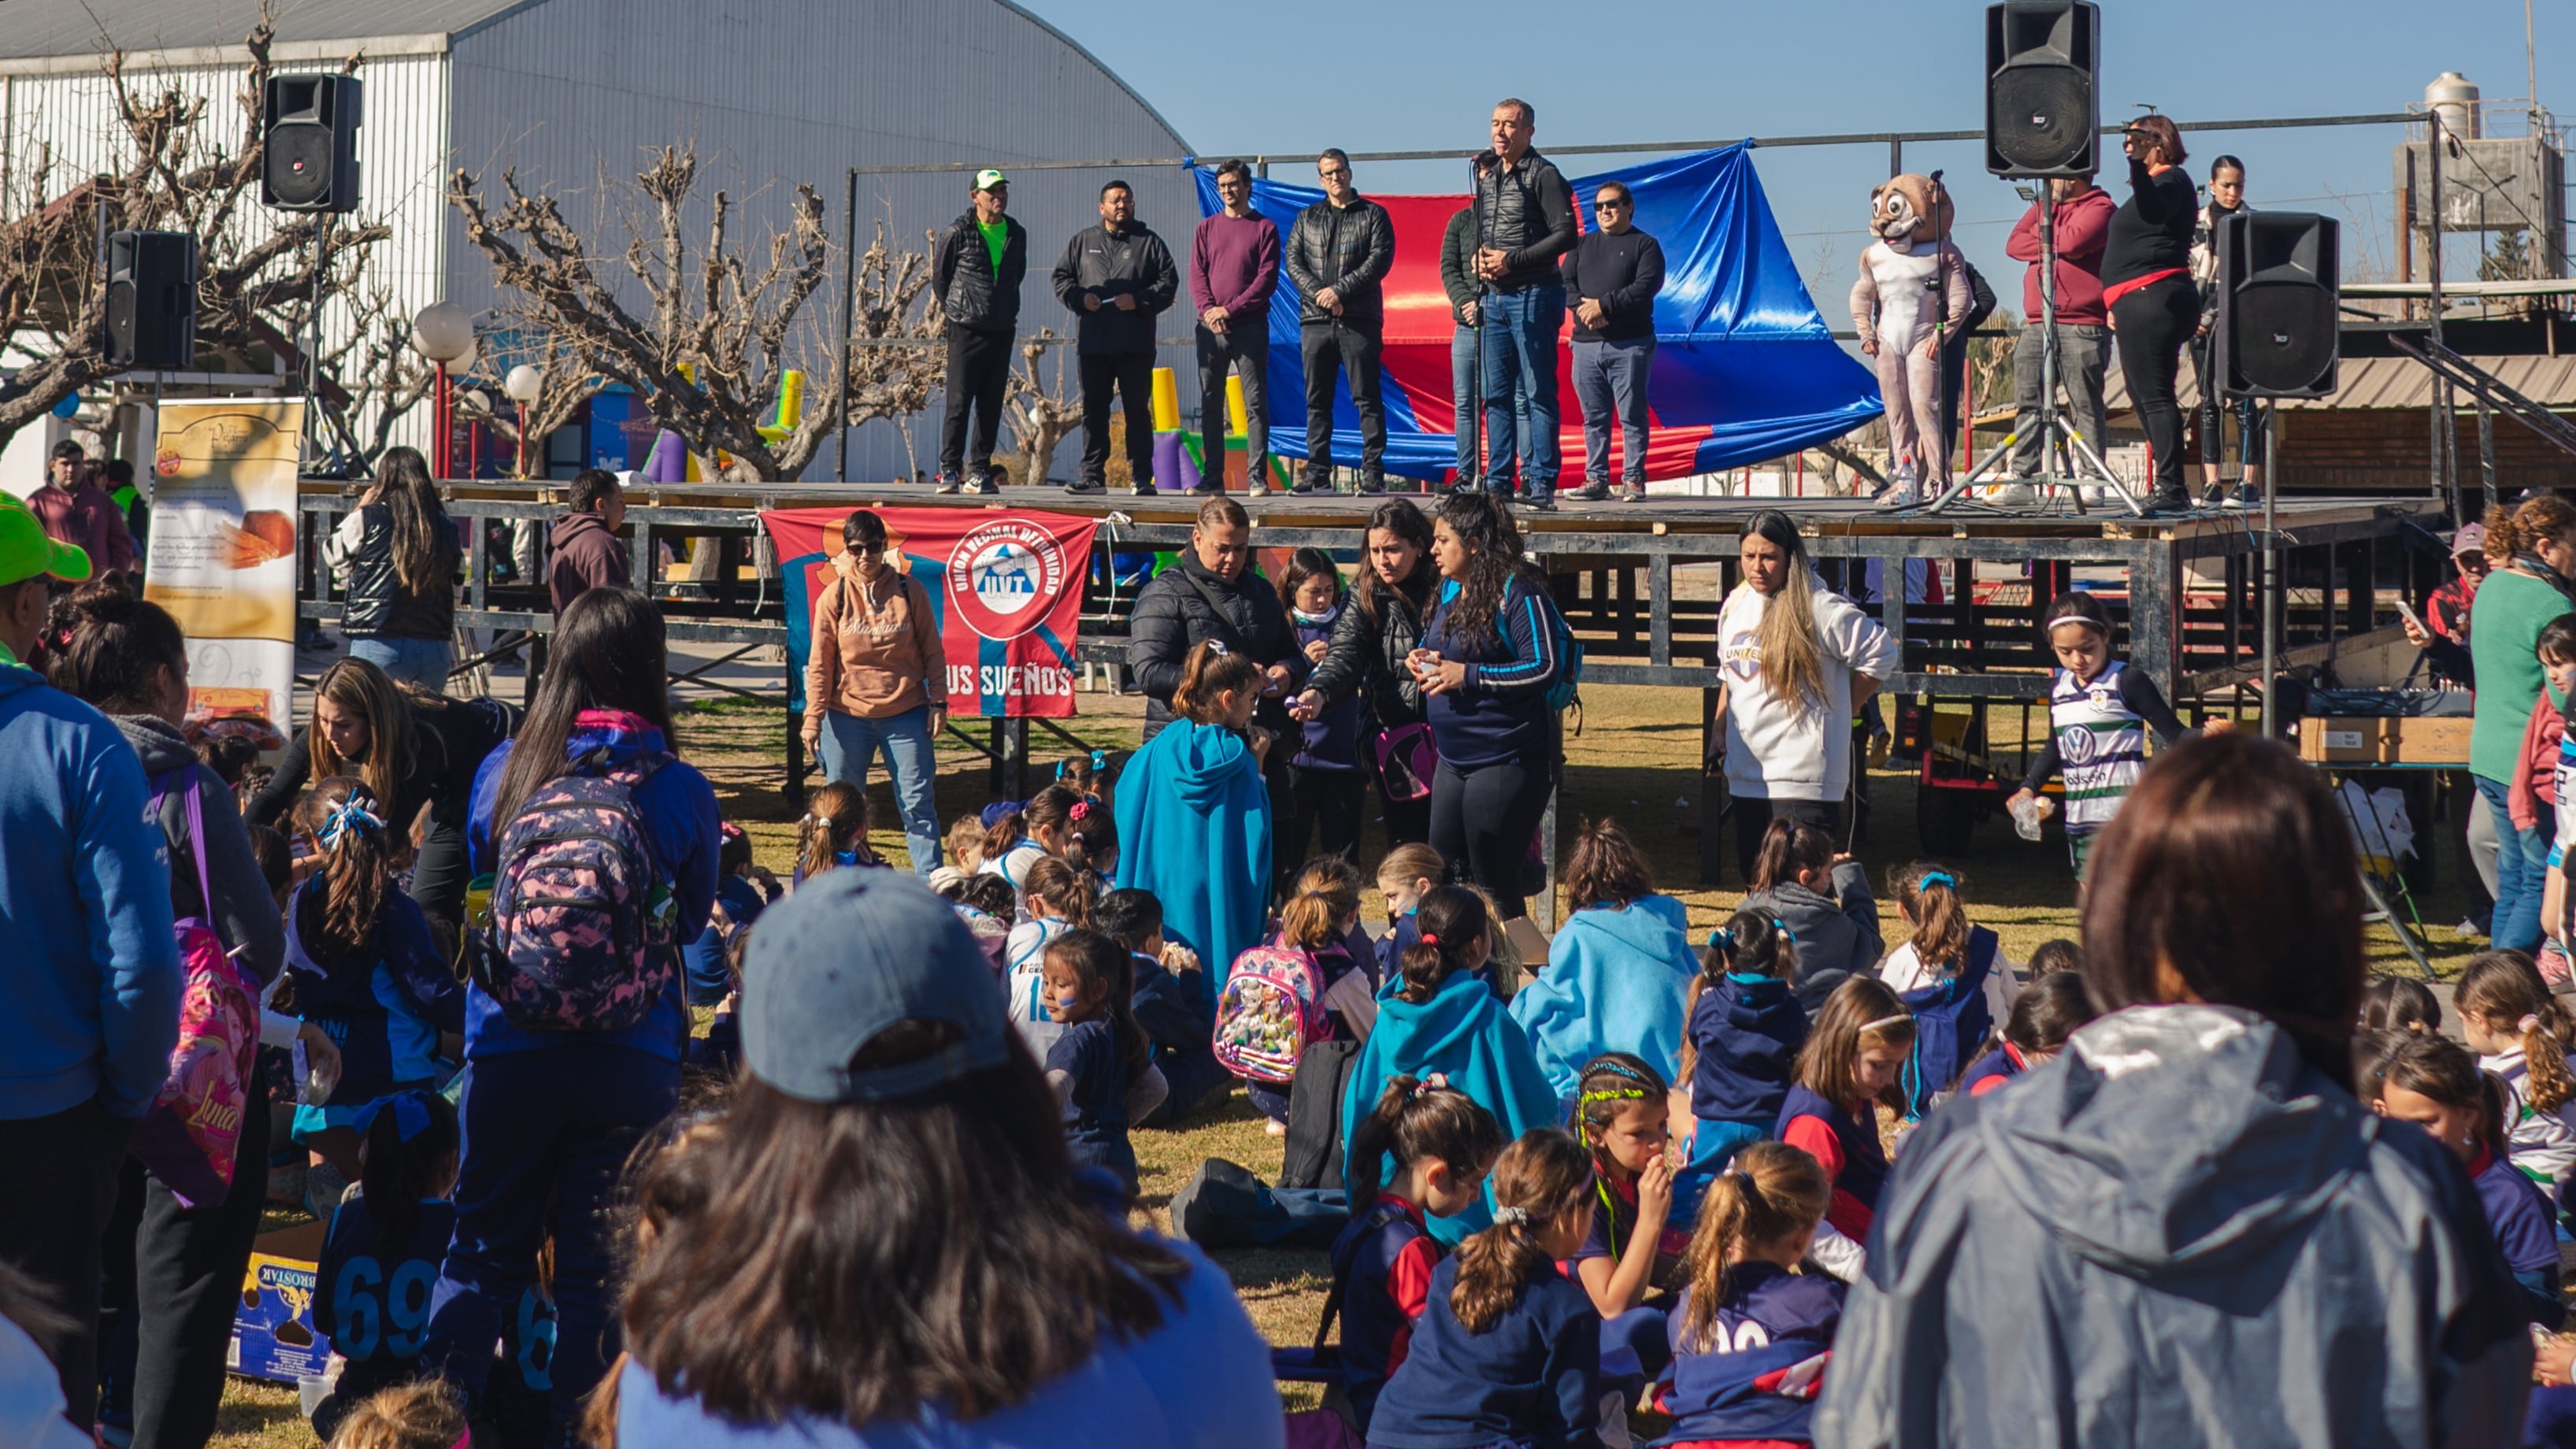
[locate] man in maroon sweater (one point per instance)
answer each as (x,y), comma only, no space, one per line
(75,510)
(2083,323)
(588,554)
(1234,267)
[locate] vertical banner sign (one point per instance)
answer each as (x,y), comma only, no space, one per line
(222,556)
(1007,588)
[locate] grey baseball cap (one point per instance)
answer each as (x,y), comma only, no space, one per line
(852,952)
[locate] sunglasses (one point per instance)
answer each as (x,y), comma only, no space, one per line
(1609,206)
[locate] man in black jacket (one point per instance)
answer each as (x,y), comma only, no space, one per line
(976,277)
(1116,278)
(1612,277)
(1524,222)
(1212,593)
(1338,254)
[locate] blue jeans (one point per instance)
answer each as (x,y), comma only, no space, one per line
(2522,871)
(1467,396)
(1610,381)
(850,746)
(546,1134)
(1520,363)
(422,662)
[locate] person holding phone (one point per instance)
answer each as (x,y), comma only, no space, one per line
(2146,280)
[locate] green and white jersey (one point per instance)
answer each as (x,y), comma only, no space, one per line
(2101,745)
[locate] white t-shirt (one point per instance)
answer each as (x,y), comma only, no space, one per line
(1780,749)
(1904,971)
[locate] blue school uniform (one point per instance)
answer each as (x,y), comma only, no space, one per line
(1747,1030)
(1462,1033)
(1095,1117)
(1992,1070)
(2518,1216)
(703,959)
(1530,1379)
(1181,1028)
(1402,934)
(1331,740)
(1383,1261)
(383,1004)
(1766,1357)
(373,1303)
(1862,1170)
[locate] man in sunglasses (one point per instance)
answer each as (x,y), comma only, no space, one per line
(1338,254)
(1611,278)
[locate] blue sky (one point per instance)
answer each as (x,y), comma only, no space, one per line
(1290,77)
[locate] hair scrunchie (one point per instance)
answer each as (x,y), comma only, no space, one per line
(1515,1216)
(1428,939)
(2528,1025)
(349,815)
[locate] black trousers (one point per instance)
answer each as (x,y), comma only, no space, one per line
(2151,325)
(1483,819)
(55,1199)
(1352,350)
(173,1276)
(1407,822)
(438,876)
(1753,816)
(1132,374)
(1320,802)
(979,370)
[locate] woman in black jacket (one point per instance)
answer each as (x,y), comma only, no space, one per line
(1366,657)
(399,554)
(413,749)
(2146,279)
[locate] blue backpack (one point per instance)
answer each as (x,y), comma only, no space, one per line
(1567,689)
(1951,1020)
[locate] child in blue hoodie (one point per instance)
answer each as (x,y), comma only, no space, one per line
(365,966)
(380,1255)
(1508,1350)
(1325,781)
(1745,1031)
(550,1116)
(1618,972)
(1436,1017)
(1193,804)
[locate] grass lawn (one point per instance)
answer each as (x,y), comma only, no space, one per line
(1636,760)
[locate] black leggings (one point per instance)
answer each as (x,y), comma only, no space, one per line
(2151,325)
(1483,819)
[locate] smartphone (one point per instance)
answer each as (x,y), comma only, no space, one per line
(2407,611)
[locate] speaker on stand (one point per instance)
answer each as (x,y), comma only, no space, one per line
(309,126)
(2043,88)
(152,300)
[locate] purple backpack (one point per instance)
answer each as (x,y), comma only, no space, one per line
(580,934)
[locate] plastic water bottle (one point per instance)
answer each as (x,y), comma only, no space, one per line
(2026,817)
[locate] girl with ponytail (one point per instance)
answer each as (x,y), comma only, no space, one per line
(1195,813)
(2523,1034)
(1438,1018)
(381,1254)
(1749,1314)
(1438,1146)
(1944,949)
(833,833)
(1508,1350)
(1745,1032)
(366,968)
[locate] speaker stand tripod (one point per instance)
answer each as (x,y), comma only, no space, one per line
(2055,432)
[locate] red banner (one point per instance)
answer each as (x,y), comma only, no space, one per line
(1007,588)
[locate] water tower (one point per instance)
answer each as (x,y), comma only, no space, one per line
(2488,183)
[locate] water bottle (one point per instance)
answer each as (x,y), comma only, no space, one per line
(2026,816)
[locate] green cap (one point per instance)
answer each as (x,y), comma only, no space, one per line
(988,178)
(26,550)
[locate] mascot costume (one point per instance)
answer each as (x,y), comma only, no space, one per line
(1913,291)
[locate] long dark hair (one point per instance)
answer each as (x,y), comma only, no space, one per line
(1493,544)
(1397,516)
(2230,866)
(607,653)
(858,1261)
(424,542)
(356,873)
(397,1174)
(1414,1123)
(1451,918)
(105,644)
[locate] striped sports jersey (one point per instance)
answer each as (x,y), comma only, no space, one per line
(2101,745)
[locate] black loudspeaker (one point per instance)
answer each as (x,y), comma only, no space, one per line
(2043,88)
(152,299)
(2280,296)
(310,124)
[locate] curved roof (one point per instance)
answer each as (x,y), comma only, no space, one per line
(1078,48)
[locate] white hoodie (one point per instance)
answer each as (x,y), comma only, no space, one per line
(1780,749)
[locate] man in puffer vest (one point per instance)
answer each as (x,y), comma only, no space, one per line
(976,277)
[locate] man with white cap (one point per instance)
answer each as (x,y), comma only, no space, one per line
(976,277)
(90,982)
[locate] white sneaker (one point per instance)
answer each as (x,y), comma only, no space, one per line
(2013,495)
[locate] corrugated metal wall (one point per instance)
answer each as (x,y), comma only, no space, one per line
(798,90)
(71,119)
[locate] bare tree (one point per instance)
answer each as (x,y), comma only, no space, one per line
(255,283)
(1040,416)
(897,360)
(566,380)
(708,354)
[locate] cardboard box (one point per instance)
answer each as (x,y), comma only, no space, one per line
(273,1333)
(2385,739)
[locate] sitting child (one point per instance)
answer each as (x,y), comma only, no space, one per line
(1622,1115)
(1823,899)
(1951,973)
(2045,1014)
(965,853)
(1439,1146)
(1311,926)
(1406,874)
(1745,1031)
(1508,1350)
(1101,1055)
(1846,1071)
(1335,876)
(1174,1020)
(381,1254)
(2399,1003)
(2433,1082)
(2522,1033)
(1619,972)
(743,890)
(425,1415)
(986,904)
(1751,1336)
(1056,898)
(834,832)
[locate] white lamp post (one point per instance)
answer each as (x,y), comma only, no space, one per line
(444,334)
(523,384)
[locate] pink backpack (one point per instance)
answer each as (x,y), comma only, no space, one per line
(192,1133)
(1270,1010)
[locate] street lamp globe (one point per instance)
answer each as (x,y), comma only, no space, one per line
(523,383)
(442,332)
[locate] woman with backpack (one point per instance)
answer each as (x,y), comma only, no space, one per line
(1490,654)
(398,553)
(573,1038)
(1376,633)
(173,1265)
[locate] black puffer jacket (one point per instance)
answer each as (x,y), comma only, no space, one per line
(1189,602)
(1348,249)
(1367,658)
(1132,262)
(970,294)
(377,605)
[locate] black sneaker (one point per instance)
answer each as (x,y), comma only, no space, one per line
(2168,501)
(1206,488)
(1538,503)
(1144,490)
(1310,486)
(1087,487)
(1372,484)
(982,485)
(1593,492)
(949,483)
